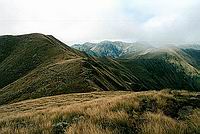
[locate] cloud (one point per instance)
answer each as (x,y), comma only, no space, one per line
(158,21)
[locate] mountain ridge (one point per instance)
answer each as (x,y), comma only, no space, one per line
(37,65)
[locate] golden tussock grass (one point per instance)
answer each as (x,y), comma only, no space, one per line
(158,112)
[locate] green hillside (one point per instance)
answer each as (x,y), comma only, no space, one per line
(164,68)
(194,56)
(37,65)
(22,54)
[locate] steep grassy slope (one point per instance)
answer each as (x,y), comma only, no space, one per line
(164,68)
(21,54)
(194,57)
(150,112)
(37,65)
(108,74)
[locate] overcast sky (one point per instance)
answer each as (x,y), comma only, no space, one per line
(74,21)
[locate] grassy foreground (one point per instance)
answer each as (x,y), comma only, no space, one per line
(112,112)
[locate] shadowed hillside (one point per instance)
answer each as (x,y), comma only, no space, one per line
(171,68)
(37,65)
(22,54)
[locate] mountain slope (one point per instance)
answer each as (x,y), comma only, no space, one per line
(39,65)
(194,57)
(21,54)
(164,68)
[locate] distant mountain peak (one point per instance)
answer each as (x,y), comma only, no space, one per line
(111,48)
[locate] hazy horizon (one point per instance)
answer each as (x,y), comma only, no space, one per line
(158,22)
